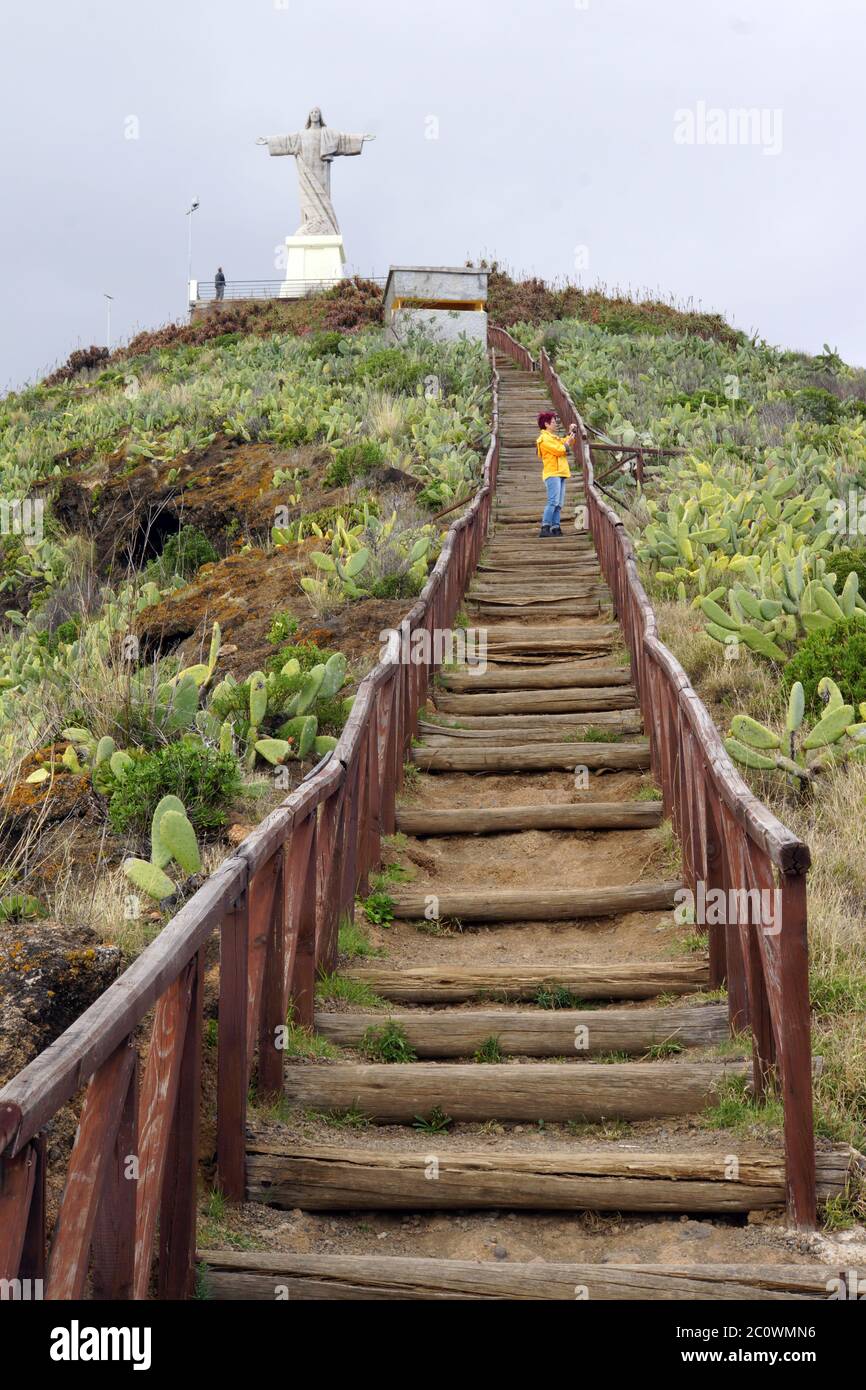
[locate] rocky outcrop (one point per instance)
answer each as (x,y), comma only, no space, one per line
(49,974)
(129,509)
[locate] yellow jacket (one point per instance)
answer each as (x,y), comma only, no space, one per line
(552,452)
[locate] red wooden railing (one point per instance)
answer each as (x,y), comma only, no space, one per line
(729,839)
(278,903)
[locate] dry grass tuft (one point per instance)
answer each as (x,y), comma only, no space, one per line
(832,821)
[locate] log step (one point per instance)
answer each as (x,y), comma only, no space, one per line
(258,1276)
(482,608)
(335,1178)
(573,543)
(556,1091)
(556,675)
(523,651)
(484,820)
(538,1032)
(562,700)
(541,637)
(558,586)
(553,590)
(435,984)
(558,570)
(542,729)
(551,905)
(540,757)
(498,730)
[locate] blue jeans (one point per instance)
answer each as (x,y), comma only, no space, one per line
(555,501)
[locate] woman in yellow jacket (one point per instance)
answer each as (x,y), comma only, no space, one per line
(553,454)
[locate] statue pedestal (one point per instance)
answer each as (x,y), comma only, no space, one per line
(309,261)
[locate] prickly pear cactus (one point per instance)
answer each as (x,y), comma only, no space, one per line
(801,755)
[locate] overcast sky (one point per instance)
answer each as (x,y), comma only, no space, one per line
(573,137)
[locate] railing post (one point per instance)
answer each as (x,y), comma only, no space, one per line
(177,1219)
(795,1054)
(330,850)
(34,1255)
(233,1061)
(716,880)
(304,867)
(113,1243)
(275,990)
(372,827)
(18,1178)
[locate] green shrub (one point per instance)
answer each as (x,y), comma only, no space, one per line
(838,652)
(818,405)
(393,370)
(65,632)
(324,344)
(205,780)
(184,553)
(352,462)
(843,562)
(307,655)
(396,586)
(282,627)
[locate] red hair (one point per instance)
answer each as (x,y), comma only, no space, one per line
(545,418)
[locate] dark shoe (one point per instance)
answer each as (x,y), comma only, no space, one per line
(545,531)
(556,530)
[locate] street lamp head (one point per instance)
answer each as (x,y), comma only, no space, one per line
(193,207)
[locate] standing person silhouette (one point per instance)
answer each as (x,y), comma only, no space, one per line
(219,283)
(552,450)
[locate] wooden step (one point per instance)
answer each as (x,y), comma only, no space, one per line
(546,590)
(389,1093)
(535,757)
(257,1275)
(575,544)
(522,651)
(561,700)
(541,905)
(513,730)
(539,728)
(541,609)
(490,820)
(554,676)
(531,516)
(535,590)
(552,637)
(332,1177)
(557,566)
(437,984)
(559,570)
(538,1032)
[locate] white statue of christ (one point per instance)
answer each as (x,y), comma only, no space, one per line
(314,148)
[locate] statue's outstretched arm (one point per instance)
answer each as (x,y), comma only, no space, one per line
(342,143)
(279,144)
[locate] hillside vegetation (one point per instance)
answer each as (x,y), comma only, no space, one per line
(203,539)
(751,544)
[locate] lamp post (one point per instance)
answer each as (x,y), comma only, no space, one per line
(108,298)
(189,214)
